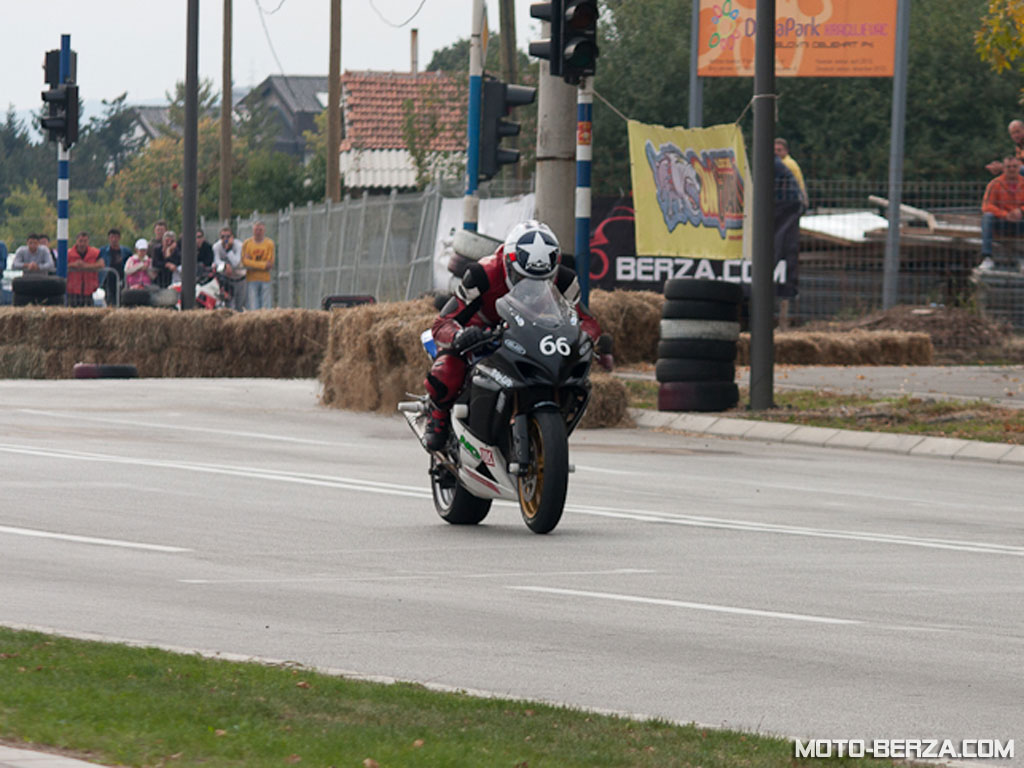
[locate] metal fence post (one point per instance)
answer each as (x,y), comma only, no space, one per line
(328,207)
(387,242)
(345,206)
(359,239)
(425,204)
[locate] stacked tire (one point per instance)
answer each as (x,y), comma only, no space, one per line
(696,368)
(32,289)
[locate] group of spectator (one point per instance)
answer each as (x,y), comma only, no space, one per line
(155,263)
(1002,208)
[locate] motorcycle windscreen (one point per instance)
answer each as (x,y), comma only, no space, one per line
(536,301)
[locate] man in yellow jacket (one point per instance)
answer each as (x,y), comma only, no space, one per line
(258,258)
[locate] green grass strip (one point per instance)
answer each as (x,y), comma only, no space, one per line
(146,707)
(969,420)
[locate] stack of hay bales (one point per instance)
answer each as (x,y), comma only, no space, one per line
(375,356)
(849,348)
(47,342)
(632,319)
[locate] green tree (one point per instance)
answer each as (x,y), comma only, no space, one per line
(26,210)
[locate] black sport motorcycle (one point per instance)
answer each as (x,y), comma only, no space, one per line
(527,388)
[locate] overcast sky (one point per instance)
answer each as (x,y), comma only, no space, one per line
(138,46)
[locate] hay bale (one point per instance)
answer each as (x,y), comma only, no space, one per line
(633,319)
(22,361)
(855,347)
(608,401)
(74,328)
(374,355)
(139,331)
(23,325)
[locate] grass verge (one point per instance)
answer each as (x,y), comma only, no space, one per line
(973,420)
(146,707)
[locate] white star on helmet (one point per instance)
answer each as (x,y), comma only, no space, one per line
(539,254)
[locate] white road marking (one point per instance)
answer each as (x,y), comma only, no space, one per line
(793,530)
(89,539)
(181,428)
(685,604)
(419,492)
(420,576)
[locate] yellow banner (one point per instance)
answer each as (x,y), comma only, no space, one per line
(813,38)
(688,188)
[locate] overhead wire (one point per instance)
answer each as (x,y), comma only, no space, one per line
(391,23)
(270,43)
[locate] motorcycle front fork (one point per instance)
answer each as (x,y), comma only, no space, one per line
(520,463)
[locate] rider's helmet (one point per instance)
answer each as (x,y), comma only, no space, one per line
(531,251)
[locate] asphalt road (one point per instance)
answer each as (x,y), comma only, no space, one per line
(777,588)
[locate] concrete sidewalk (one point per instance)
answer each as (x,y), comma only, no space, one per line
(23,758)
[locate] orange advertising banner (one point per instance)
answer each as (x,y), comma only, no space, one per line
(813,38)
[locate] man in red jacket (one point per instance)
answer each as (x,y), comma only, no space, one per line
(1002,208)
(530,252)
(84,264)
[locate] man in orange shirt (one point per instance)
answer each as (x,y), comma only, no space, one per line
(1002,209)
(84,264)
(258,258)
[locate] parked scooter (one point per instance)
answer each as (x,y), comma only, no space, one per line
(528,387)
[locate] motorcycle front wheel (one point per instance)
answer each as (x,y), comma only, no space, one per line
(542,489)
(454,503)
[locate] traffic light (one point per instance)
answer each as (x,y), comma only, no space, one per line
(550,49)
(579,40)
(498,99)
(61,120)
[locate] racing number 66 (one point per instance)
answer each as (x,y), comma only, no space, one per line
(549,345)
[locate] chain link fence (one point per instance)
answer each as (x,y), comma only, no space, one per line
(843,246)
(376,245)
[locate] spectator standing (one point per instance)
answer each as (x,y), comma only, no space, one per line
(204,252)
(84,264)
(33,257)
(158,237)
(258,259)
(136,268)
(228,251)
(3,256)
(782,152)
(1002,208)
(1016,131)
(114,256)
(166,260)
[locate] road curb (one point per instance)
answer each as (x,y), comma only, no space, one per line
(884,442)
(23,758)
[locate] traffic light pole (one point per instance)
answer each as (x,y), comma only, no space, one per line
(471,206)
(584,154)
(63,171)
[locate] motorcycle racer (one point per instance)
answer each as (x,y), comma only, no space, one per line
(530,252)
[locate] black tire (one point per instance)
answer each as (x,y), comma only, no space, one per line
(454,503)
(19,300)
(542,491)
(676,369)
(697,396)
(697,349)
(39,285)
(696,309)
(458,264)
(101,371)
(136,297)
(706,290)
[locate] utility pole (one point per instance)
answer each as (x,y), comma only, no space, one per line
(333,191)
(762,291)
(190,198)
(509,68)
(471,201)
(224,207)
(556,155)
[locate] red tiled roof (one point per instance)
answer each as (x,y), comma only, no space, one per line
(373,114)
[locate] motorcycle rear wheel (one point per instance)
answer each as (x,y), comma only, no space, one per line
(542,490)
(454,503)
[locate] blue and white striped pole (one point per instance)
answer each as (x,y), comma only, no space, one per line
(471,206)
(63,170)
(584,154)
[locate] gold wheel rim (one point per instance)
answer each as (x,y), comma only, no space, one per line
(531,485)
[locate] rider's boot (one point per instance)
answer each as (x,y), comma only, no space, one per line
(436,436)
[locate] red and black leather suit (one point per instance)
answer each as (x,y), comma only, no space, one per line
(473,304)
